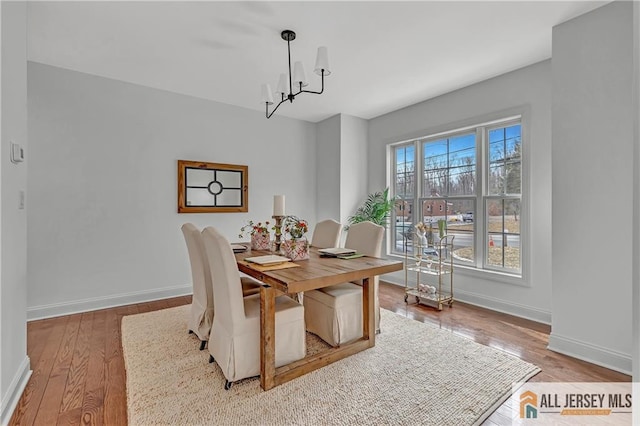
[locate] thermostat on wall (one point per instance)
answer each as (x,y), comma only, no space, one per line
(17,153)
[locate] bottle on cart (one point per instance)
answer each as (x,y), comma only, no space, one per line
(430,235)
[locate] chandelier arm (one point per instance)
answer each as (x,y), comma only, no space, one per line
(311,91)
(274,110)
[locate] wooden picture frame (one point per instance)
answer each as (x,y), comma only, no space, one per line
(212,187)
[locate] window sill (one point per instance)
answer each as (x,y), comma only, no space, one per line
(485,274)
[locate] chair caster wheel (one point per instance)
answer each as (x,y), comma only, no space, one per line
(227,385)
(203,344)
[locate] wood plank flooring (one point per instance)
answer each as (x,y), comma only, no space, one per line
(526,339)
(79,376)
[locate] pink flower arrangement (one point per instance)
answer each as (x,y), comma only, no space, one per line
(296,228)
(252,228)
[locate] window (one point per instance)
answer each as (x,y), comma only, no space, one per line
(470,183)
(504,197)
(404,190)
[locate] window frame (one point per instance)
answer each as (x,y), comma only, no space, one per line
(480,266)
(392,153)
(486,197)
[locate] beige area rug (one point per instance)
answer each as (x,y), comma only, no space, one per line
(416,374)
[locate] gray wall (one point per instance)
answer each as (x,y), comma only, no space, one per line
(353,164)
(328,175)
(528,91)
(342,166)
(103,226)
(593,186)
(14,363)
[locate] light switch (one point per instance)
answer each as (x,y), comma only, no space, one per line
(21,202)
(17,153)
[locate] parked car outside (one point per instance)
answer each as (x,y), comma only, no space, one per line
(467,217)
(430,251)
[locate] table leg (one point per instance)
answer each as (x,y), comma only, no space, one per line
(267,337)
(368,311)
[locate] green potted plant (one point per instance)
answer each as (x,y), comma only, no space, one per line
(376,209)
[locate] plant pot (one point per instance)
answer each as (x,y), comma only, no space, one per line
(260,241)
(296,249)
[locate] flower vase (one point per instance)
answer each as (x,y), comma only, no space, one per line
(422,239)
(297,249)
(260,241)
(430,236)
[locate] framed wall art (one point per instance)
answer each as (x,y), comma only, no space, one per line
(212,187)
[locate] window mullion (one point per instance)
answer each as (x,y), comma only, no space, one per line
(417,193)
(481,182)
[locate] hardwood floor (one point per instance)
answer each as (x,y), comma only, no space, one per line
(79,376)
(526,339)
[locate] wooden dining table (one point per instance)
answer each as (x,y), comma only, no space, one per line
(313,273)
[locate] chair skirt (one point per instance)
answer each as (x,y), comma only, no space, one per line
(237,350)
(200,320)
(335,313)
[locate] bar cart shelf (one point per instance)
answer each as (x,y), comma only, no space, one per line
(433,268)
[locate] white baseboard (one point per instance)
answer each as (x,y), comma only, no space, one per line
(11,398)
(95,303)
(499,305)
(591,353)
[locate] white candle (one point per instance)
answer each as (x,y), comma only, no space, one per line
(278,205)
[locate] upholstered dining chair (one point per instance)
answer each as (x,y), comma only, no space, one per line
(201,316)
(235,342)
(335,313)
(326,234)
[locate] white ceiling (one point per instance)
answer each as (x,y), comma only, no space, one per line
(383,55)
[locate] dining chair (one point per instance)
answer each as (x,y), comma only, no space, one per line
(326,234)
(201,315)
(235,342)
(335,313)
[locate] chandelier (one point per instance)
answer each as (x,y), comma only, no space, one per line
(298,81)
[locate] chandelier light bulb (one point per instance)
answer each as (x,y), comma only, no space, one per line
(322,61)
(267,97)
(299,76)
(283,85)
